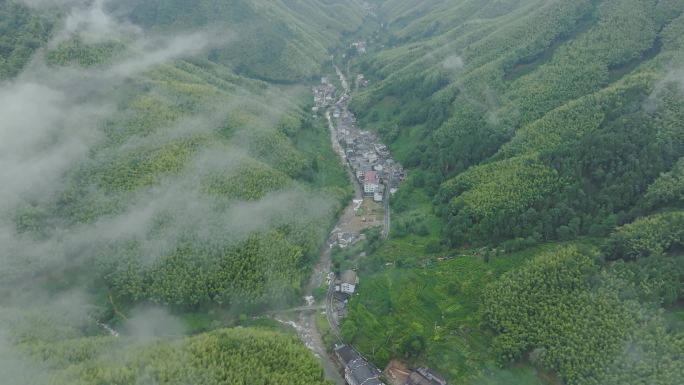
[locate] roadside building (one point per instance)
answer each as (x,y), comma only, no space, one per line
(357,371)
(379,193)
(425,376)
(348,282)
(360,372)
(371,157)
(370,183)
(345,354)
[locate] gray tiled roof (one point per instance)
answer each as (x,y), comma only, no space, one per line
(363,373)
(346,354)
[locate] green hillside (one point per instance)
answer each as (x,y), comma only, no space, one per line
(61,355)
(283,41)
(22,32)
(195,181)
(175,141)
(165,185)
(528,123)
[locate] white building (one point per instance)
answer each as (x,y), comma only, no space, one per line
(370,188)
(371,184)
(348,282)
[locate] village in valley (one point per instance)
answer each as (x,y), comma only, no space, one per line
(368,158)
(378,176)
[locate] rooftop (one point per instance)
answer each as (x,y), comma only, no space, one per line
(349,276)
(363,372)
(425,376)
(346,354)
(370,177)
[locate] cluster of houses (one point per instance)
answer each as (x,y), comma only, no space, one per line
(324,95)
(369,159)
(361,47)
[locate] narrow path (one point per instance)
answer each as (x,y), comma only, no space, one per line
(386,222)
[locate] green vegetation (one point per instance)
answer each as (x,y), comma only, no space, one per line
(224,356)
(219,357)
(276,41)
(527,123)
(194,181)
(224,264)
(566,149)
(21,34)
(648,236)
(537,240)
(442,301)
(84,55)
(668,189)
(587,330)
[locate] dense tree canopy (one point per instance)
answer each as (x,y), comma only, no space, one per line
(21,34)
(585,329)
(529,123)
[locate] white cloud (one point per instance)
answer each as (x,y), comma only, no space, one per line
(453,63)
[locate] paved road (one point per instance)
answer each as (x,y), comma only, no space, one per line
(386,201)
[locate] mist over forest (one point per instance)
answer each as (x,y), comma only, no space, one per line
(169,190)
(142,181)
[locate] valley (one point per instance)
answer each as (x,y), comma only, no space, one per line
(463,192)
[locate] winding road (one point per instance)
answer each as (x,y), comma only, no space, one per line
(386,221)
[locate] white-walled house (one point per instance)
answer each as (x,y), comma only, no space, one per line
(348,282)
(371,183)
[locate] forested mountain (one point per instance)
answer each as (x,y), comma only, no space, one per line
(61,355)
(545,142)
(23,32)
(562,104)
(164,184)
(284,41)
(149,159)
